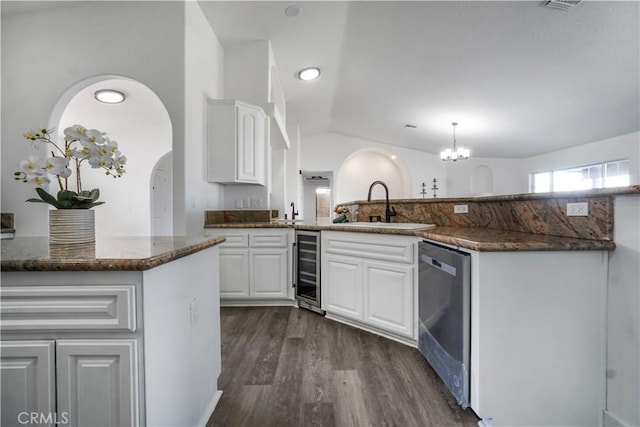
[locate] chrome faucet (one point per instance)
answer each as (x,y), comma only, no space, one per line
(293,211)
(388,212)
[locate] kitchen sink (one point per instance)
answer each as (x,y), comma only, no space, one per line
(387,225)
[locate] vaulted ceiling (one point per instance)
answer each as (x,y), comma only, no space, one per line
(520,78)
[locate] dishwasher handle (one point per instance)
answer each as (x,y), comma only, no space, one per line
(443,266)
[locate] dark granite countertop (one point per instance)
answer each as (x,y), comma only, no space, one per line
(112,254)
(475,238)
(487,239)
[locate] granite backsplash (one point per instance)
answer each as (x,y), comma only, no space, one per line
(238,216)
(534,215)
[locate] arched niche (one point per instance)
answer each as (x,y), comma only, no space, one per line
(482,181)
(142,127)
(361,168)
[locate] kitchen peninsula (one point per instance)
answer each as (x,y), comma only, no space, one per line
(109,333)
(539,289)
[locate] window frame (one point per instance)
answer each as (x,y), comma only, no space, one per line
(553,172)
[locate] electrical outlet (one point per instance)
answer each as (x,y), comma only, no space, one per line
(256,203)
(238,203)
(246,203)
(578,209)
(460,209)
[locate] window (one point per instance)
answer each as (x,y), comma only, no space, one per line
(601,175)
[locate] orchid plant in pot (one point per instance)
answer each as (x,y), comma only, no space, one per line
(73,220)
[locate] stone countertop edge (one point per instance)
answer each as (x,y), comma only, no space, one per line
(599,192)
(78,263)
(491,240)
(474,238)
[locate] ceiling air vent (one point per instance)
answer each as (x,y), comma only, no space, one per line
(562,4)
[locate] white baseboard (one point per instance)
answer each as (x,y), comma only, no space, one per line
(402,340)
(210,408)
(610,420)
(257,303)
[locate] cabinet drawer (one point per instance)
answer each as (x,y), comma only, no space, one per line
(395,251)
(108,307)
(274,240)
(235,238)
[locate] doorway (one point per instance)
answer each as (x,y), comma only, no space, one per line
(317,200)
(161,197)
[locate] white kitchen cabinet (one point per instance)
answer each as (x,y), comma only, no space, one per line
(388,296)
(268,273)
(94,382)
(342,286)
(235,142)
(97,382)
(234,273)
(254,265)
(370,280)
(27,370)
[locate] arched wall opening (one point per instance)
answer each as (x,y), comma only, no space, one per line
(482,181)
(143,130)
(365,166)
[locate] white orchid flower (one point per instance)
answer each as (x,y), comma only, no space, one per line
(120,159)
(111,145)
(101,162)
(55,165)
(37,180)
(31,166)
(93,136)
(83,153)
(74,132)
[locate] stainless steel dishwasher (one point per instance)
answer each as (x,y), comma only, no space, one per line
(444,306)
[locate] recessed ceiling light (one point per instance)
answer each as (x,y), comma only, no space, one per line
(292,11)
(109,96)
(310,73)
(393,157)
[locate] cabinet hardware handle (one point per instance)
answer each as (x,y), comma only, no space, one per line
(294,265)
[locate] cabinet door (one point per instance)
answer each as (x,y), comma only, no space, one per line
(27,377)
(97,382)
(342,286)
(234,273)
(388,296)
(250,144)
(268,273)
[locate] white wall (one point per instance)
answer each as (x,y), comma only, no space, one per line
(508,176)
(328,151)
(623,314)
(43,54)
(203,63)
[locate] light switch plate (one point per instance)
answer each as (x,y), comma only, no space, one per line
(460,209)
(578,209)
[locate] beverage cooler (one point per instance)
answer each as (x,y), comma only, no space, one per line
(306,270)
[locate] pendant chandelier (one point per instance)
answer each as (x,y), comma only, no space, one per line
(457,153)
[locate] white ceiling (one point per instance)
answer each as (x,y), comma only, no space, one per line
(520,78)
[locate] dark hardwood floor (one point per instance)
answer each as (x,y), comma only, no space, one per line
(283,366)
